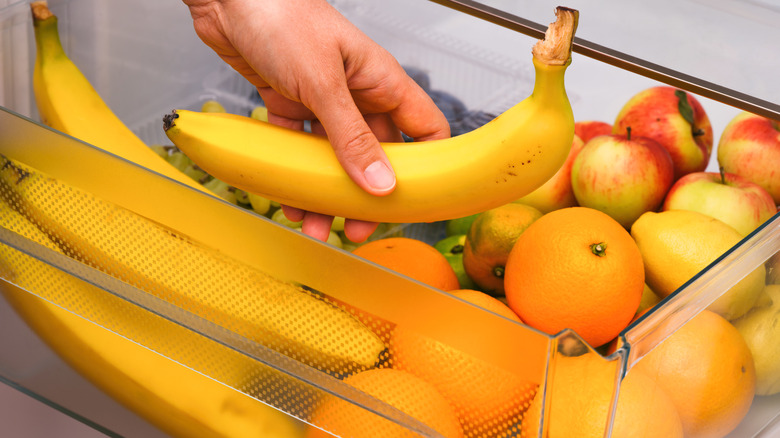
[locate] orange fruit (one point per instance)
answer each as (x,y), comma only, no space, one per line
(487,302)
(488,400)
(707,369)
(489,241)
(581,397)
(575,268)
(399,389)
(413,258)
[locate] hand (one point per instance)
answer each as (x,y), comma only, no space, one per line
(309,62)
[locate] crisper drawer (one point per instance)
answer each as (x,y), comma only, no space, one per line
(203,318)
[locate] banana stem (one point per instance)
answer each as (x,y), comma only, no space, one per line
(555,48)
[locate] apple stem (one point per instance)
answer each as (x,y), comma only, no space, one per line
(599,249)
(457,249)
(722,174)
(628,133)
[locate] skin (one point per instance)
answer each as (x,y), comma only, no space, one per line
(309,62)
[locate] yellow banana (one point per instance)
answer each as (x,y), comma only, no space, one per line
(67,102)
(436,180)
(172,396)
(279,315)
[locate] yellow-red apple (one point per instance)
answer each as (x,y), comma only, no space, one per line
(673,118)
(750,147)
(587,129)
(725,196)
(622,175)
(556,193)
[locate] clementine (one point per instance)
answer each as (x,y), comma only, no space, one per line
(402,390)
(575,268)
(488,400)
(489,241)
(413,258)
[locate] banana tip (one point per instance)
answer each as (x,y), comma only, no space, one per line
(168,120)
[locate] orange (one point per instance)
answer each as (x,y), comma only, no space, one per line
(581,397)
(399,389)
(489,241)
(487,302)
(575,268)
(707,369)
(413,258)
(487,399)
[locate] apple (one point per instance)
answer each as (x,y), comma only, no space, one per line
(622,176)
(673,118)
(750,147)
(588,129)
(556,193)
(724,196)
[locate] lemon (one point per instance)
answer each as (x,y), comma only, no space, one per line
(678,244)
(761,330)
(649,299)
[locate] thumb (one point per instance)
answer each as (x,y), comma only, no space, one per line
(355,145)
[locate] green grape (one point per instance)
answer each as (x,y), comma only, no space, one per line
(212,106)
(161,150)
(197,174)
(335,240)
(259,204)
(222,189)
(179,160)
(338,224)
(242,197)
(279,217)
(259,113)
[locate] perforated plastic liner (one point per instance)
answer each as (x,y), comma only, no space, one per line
(280,343)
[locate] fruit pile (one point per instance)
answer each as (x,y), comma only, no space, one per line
(627,221)
(630,217)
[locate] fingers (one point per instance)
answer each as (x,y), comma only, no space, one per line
(417,115)
(354,143)
(317,225)
(358,231)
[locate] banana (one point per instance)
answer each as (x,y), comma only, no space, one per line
(171,395)
(67,102)
(500,162)
(279,315)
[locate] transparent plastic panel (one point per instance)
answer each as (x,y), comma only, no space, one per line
(278,323)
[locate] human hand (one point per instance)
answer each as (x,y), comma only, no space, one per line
(309,62)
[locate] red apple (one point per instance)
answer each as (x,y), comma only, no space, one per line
(556,193)
(676,120)
(622,175)
(587,129)
(750,147)
(725,196)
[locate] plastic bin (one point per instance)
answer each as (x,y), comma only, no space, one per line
(145,59)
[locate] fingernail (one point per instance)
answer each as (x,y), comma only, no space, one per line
(379,176)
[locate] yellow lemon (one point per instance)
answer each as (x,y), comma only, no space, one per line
(678,244)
